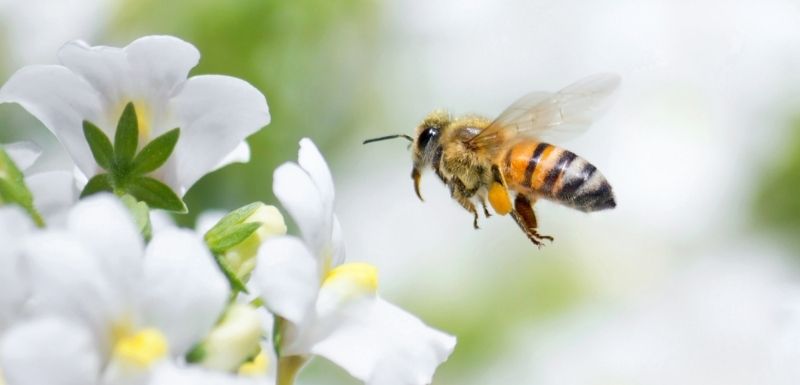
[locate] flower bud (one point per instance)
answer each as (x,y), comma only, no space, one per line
(237,236)
(234,340)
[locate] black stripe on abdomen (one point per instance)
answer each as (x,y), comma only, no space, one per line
(558,171)
(533,162)
(571,186)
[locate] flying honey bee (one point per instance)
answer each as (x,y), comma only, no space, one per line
(481,159)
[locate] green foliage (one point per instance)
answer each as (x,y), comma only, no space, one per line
(141,215)
(98,183)
(777,204)
(155,193)
(231,236)
(126,138)
(101,147)
(126,174)
(13,189)
(155,153)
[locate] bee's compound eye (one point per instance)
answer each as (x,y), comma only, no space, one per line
(426,136)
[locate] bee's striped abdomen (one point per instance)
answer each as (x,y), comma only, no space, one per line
(553,173)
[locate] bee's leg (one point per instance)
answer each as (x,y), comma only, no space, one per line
(483,204)
(460,193)
(526,219)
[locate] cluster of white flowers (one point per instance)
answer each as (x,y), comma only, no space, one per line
(94,292)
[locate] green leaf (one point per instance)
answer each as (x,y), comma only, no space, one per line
(233,218)
(99,143)
(13,189)
(141,215)
(197,354)
(232,236)
(155,193)
(127,137)
(155,153)
(98,183)
(236,284)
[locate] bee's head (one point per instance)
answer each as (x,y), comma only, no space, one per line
(426,143)
(427,137)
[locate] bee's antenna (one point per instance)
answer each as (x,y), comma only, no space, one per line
(410,139)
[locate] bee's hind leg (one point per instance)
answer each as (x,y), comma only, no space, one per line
(526,219)
(460,193)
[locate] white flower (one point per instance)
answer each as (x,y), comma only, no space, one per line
(68,356)
(14,285)
(141,304)
(214,113)
(53,190)
(331,308)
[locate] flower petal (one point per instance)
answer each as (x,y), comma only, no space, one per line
(311,160)
(301,198)
(240,154)
(53,193)
(216,113)
(184,292)
(394,347)
(69,281)
(106,229)
(49,351)
(14,285)
(161,63)
(287,276)
(61,100)
(168,374)
(23,153)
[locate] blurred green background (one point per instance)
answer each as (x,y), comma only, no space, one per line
(702,147)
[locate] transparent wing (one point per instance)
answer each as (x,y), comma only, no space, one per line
(563,114)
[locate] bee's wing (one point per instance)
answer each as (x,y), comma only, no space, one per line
(565,113)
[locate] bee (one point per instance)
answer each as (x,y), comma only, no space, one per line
(505,159)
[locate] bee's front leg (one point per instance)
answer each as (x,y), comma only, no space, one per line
(462,195)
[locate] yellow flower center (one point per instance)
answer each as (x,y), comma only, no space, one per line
(256,367)
(354,278)
(143,119)
(141,349)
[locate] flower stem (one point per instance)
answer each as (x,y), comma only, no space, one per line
(288,368)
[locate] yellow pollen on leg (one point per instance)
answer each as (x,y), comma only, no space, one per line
(141,349)
(498,198)
(358,277)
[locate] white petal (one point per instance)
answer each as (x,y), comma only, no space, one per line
(23,153)
(69,281)
(54,192)
(160,64)
(312,161)
(61,100)
(49,351)
(171,375)
(337,242)
(216,113)
(240,154)
(184,292)
(106,69)
(106,229)
(393,346)
(14,285)
(301,198)
(287,277)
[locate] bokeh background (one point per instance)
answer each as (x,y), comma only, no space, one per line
(692,279)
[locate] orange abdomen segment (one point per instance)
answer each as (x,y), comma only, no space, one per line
(543,170)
